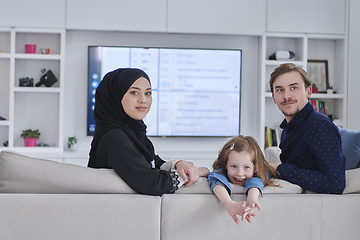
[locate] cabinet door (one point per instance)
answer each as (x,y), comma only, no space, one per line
(39,13)
(136,15)
(219,17)
(306,16)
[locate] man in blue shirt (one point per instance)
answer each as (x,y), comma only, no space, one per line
(311,151)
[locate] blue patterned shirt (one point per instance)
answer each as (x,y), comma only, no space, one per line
(220,178)
(312,155)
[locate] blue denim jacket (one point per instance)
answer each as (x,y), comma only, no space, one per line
(220,178)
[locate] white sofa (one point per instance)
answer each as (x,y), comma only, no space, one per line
(41,199)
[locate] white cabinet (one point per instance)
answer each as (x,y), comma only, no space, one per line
(332,48)
(31,107)
(217,17)
(136,15)
(39,13)
(306,16)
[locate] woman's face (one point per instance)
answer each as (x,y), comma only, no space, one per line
(137,100)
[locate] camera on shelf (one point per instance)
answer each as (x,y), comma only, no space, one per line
(26,82)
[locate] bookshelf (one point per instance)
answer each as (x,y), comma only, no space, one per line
(306,46)
(31,107)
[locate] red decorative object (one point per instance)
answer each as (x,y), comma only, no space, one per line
(30,142)
(314,89)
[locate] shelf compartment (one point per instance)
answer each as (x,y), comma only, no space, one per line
(5,39)
(30,68)
(4,88)
(4,133)
(295,44)
(41,40)
(37,111)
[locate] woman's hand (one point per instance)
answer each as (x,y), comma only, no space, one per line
(189,172)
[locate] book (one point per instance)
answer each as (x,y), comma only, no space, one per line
(272,137)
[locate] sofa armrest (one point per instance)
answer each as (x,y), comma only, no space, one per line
(272,154)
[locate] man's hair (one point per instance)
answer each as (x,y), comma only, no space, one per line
(289,67)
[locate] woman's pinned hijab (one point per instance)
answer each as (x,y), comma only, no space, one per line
(109,113)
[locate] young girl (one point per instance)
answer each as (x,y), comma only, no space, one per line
(123,98)
(241,162)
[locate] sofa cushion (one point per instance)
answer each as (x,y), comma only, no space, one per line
(351,147)
(202,186)
(352,181)
(22,174)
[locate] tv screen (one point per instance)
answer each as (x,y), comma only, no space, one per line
(196,92)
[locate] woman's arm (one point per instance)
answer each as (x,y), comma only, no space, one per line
(189,173)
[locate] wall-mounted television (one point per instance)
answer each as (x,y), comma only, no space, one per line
(196,92)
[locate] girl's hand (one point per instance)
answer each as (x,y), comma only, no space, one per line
(238,208)
(249,211)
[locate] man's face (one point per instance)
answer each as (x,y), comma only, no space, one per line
(290,94)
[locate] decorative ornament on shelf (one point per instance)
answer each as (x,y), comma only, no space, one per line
(329,89)
(71,143)
(30,137)
(314,88)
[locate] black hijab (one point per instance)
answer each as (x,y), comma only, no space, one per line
(109,113)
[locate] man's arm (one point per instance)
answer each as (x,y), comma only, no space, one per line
(325,151)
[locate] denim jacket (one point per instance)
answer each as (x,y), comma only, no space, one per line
(220,178)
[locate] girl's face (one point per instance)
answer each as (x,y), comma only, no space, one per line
(137,100)
(240,167)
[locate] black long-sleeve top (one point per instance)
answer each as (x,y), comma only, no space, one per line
(117,151)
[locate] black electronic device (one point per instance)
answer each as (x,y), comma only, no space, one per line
(26,82)
(48,78)
(193,89)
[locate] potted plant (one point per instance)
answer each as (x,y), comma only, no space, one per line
(30,137)
(329,89)
(71,143)
(314,88)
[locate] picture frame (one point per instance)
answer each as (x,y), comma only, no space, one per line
(319,74)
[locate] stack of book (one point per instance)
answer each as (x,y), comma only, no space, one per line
(272,137)
(319,106)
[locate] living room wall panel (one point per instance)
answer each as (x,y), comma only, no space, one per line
(219,17)
(39,13)
(137,15)
(306,16)
(354,63)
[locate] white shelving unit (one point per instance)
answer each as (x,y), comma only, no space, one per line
(31,107)
(306,46)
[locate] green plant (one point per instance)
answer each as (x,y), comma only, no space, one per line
(328,86)
(30,133)
(71,141)
(313,85)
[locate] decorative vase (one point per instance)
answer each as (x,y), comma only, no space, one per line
(72,147)
(30,142)
(330,91)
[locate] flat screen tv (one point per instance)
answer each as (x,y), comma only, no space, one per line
(196,92)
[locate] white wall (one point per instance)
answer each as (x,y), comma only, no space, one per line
(76,84)
(354,64)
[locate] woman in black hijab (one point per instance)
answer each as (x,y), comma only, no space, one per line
(123,98)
